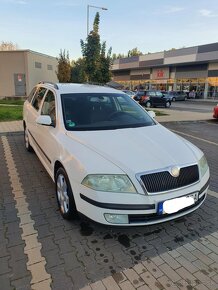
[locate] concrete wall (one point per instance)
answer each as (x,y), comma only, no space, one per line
(11,62)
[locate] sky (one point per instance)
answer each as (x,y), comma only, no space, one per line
(51,25)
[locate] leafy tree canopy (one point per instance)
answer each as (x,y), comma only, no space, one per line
(64,67)
(96,60)
(131,52)
(78,74)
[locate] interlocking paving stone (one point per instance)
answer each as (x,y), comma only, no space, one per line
(110,284)
(150,266)
(151,282)
(167,283)
(133,277)
(126,286)
(206,280)
(170,272)
(96,252)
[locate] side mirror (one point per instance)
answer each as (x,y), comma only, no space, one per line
(152,114)
(44,120)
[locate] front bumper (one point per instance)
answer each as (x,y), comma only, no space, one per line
(144,212)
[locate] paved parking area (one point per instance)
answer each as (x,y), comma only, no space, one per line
(40,250)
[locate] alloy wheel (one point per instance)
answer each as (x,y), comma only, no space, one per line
(62,194)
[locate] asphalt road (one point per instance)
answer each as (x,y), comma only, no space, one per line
(204,135)
(194,106)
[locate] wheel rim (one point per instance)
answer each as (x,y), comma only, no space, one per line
(167,104)
(148,104)
(26,138)
(62,194)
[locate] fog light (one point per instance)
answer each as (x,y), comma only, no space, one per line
(116,218)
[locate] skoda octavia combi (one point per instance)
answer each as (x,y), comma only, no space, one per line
(110,160)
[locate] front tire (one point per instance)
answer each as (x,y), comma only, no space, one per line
(64,195)
(148,105)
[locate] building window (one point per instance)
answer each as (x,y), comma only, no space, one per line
(38,65)
(49,67)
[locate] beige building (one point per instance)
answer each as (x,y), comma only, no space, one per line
(185,69)
(20,70)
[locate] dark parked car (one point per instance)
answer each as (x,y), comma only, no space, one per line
(152,99)
(130,93)
(176,96)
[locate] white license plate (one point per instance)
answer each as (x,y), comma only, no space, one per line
(176,204)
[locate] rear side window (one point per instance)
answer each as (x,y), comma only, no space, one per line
(38,98)
(31,94)
(159,94)
(152,94)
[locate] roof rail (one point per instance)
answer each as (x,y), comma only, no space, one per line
(50,83)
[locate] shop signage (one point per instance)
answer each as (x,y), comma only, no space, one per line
(160,73)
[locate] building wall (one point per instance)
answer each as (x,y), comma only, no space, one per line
(35,66)
(10,63)
(181,69)
(37,73)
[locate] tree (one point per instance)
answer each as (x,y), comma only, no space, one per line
(105,64)
(78,74)
(134,52)
(119,55)
(8,45)
(96,60)
(64,67)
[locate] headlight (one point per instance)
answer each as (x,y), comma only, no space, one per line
(113,183)
(203,166)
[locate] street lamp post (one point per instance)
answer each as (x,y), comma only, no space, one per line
(88,6)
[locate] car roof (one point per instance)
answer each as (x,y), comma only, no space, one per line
(65,88)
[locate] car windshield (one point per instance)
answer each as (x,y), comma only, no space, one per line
(84,111)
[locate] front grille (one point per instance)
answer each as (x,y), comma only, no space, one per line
(164,181)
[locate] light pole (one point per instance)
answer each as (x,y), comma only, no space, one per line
(88,6)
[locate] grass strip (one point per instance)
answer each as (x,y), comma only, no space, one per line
(10,113)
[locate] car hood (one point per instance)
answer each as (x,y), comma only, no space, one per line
(139,149)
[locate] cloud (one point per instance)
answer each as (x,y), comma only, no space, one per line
(207,13)
(170,10)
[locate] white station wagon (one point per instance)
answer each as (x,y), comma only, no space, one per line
(110,160)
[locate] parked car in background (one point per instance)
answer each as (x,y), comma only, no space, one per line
(109,159)
(175,95)
(152,99)
(130,93)
(215,112)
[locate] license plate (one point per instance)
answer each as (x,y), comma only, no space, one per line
(176,204)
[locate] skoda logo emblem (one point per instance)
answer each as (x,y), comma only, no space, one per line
(175,171)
